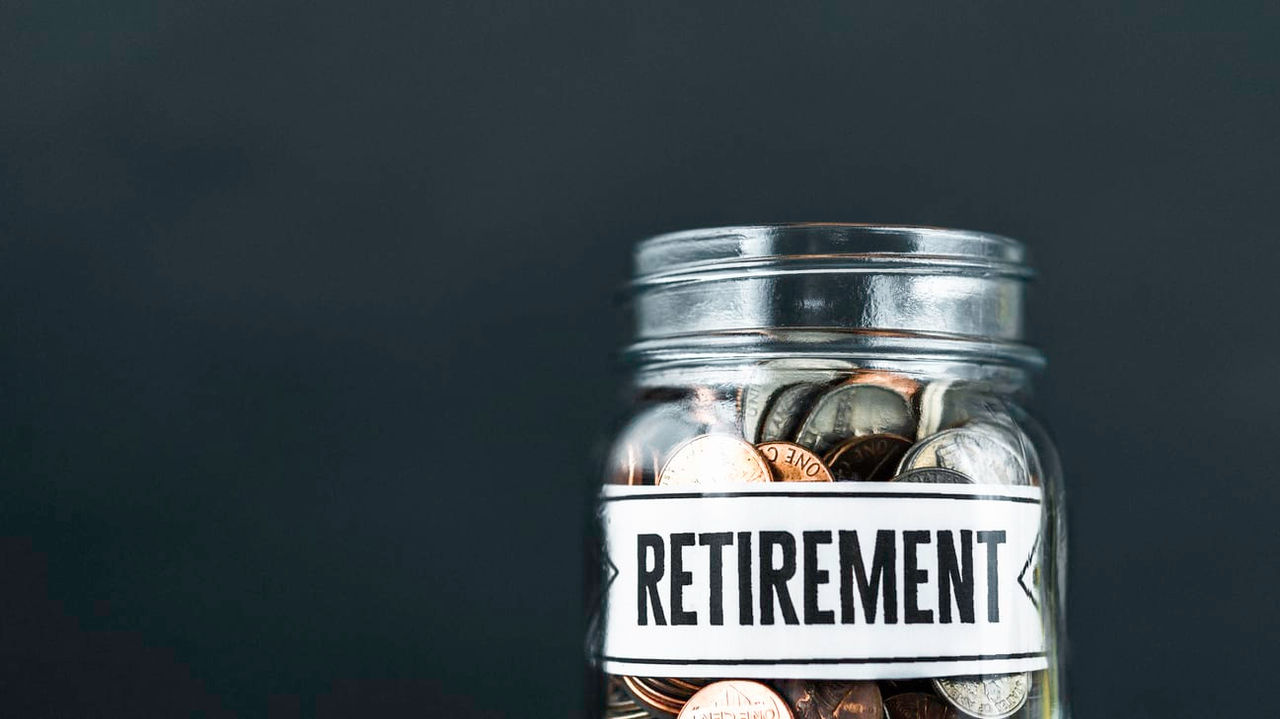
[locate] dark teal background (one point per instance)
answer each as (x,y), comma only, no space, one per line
(306,319)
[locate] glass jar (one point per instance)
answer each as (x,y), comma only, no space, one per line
(826,499)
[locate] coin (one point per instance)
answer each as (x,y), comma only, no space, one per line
(786,410)
(872,458)
(792,463)
(715,459)
(619,705)
(918,705)
(932,475)
(734,698)
(900,383)
(854,410)
(649,437)
(834,699)
(945,405)
(980,451)
(651,698)
(993,697)
(775,376)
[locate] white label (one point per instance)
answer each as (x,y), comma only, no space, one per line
(848,580)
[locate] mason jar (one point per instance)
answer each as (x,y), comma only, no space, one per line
(826,498)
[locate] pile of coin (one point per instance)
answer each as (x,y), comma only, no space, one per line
(828,426)
(947,698)
(807,424)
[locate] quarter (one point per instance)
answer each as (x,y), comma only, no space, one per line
(786,410)
(855,410)
(771,378)
(981,451)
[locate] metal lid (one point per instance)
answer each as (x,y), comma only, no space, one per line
(832,288)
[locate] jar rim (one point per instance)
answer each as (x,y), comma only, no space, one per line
(847,287)
(830,246)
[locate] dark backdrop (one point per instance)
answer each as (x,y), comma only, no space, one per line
(307,319)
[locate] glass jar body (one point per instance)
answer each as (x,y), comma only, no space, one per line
(829,524)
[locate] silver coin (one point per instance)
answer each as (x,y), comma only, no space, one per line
(993,697)
(776,376)
(982,452)
(853,410)
(932,475)
(785,412)
(946,405)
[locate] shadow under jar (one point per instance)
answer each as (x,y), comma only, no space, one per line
(826,500)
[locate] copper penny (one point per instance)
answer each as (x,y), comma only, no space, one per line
(834,699)
(918,705)
(715,459)
(650,696)
(792,463)
(735,698)
(873,458)
(903,385)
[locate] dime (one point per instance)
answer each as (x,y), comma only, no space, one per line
(872,458)
(854,410)
(992,697)
(785,412)
(918,705)
(932,475)
(793,463)
(714,459)
(735,697)
(980,451)
(775,376)
(834,699)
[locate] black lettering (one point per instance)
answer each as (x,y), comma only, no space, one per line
(912,578)
(993,540)
(813,577)
(746,616)
(647,584)
(773,580)
(884,562)
(959,578)
(680,579)
(716,541)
